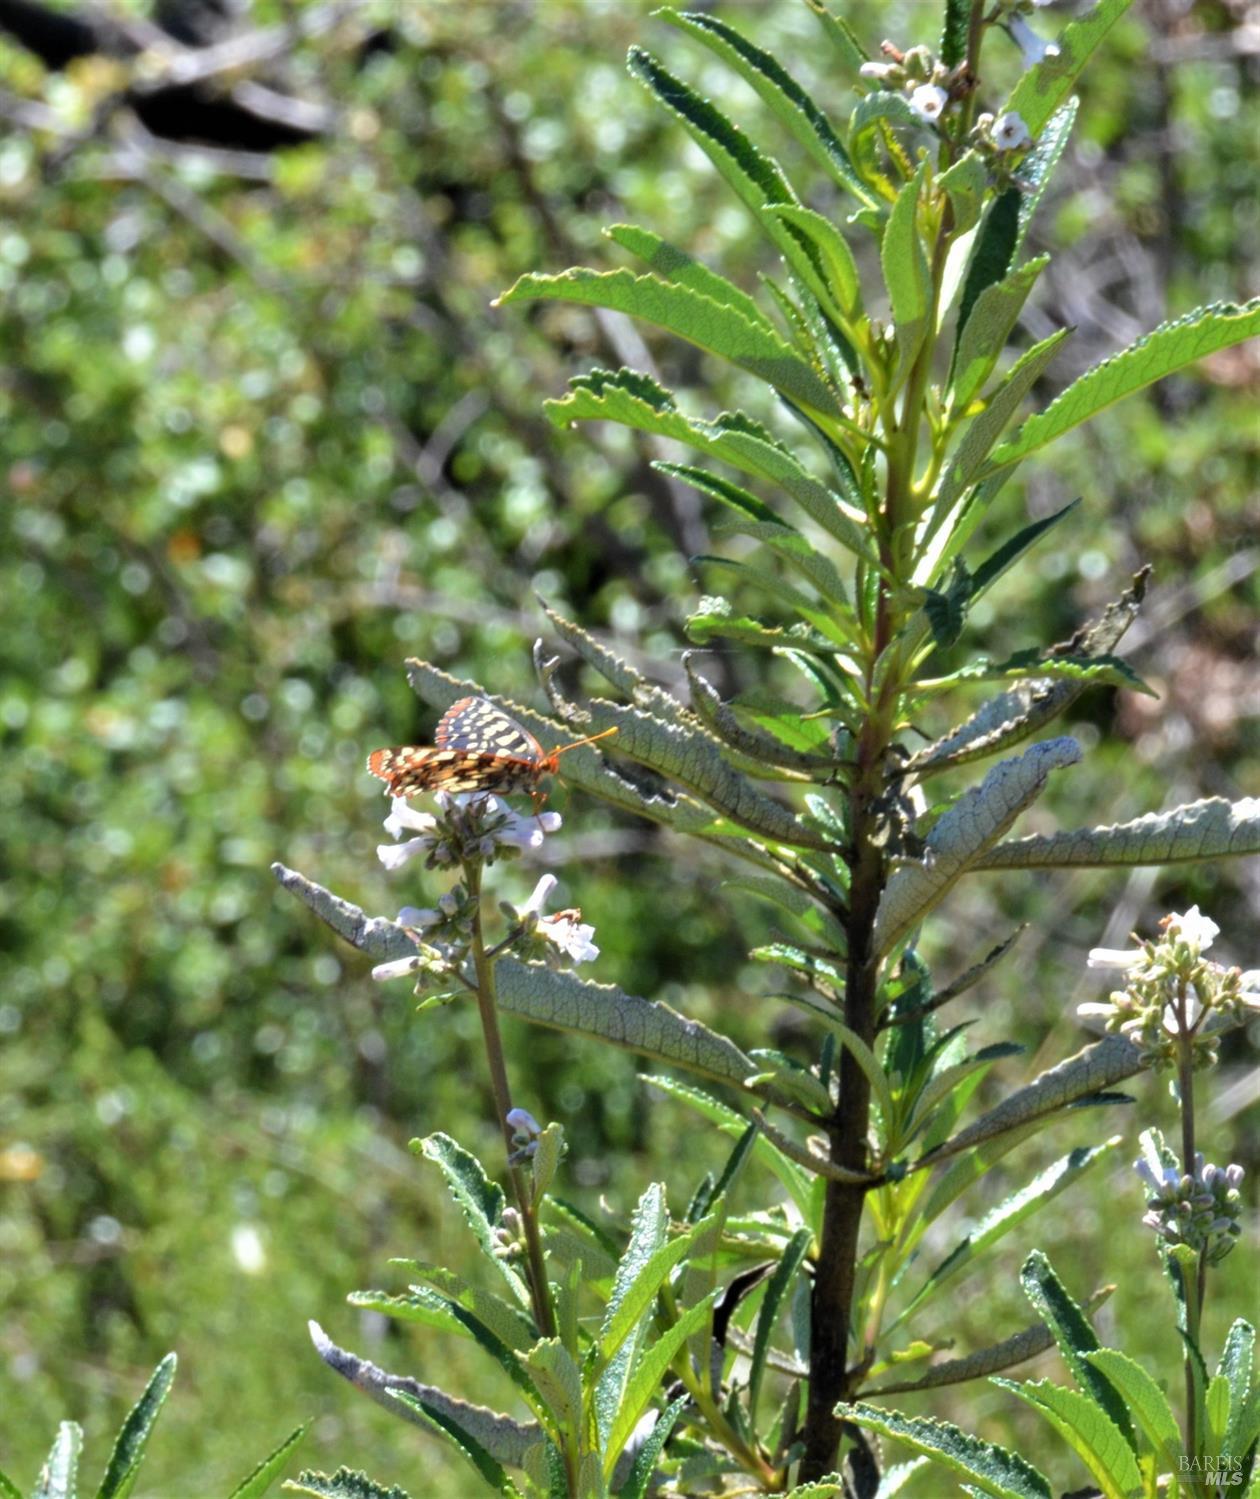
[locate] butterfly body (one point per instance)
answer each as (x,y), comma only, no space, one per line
(477,748)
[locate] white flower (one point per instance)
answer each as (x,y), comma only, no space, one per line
(413,916)
(928,102)
(1040,3)
(1113,957)
(540,895)
(570,935)
(1035,49)
(878,70)
(1249,985)
(404,818)
(398,968)
(1194,929)
(517,831)
(1010,132)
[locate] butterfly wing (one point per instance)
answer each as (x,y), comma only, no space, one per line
(411,769)
(478,727)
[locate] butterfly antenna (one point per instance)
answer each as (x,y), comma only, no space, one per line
(578,743)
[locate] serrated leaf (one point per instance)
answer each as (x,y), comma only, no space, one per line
(795,600)
(708,625)
(983,335)
(58,1478)
(506,1439)
(954,32)
(1038,166)
(648,1227)
(990,1468)
(722,489)
(957,842)
(840,34)
(546,1160)
(479,1199)
(510,1324)
(906,274)
(779,91)
(1089,1072)
(885,109)
(1236,1366)
(1075,1337)
(1095,671)
(1085,1428)
(265,1474)
(10,1490)
(636,401)
(1148,1403)
(1014,715)
(777,1288)
(676,265)
(649,1370)
(1171,347)
(612,668)
(1209,829)
(1046,86)
(1021,1205)
(639,1295)
(716,327)
(345,1483)
(992,252)
(755,747)
(124,1461)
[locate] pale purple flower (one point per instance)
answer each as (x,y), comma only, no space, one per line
(397,968)
(415,916)
(1010,133)
(1035,48)
(569,935)
(524,1123)
(539,896)
(505,829)
(880,71)
(928,101)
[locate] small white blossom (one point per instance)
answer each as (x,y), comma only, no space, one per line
(878,70)
(398,968)
(1010,133)
(1250,989)
(539,896)
(415,916)
(1113,957)
(928,101)
(1035,48)
(1040,3)
(570,935)
(1193,928)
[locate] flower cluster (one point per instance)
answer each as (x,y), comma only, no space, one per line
(552,938)
(465,827)
(1201,1211)
(1172,993)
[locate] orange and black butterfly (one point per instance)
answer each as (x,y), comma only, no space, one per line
(476,747)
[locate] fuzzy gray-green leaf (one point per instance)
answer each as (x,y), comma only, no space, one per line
(1047,85)
(345,1483)
(256,1484)
(906,274)
(676,265)
(957,842)
(983,336)
(1210,829)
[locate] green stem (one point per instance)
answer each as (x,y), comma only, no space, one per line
(1195,1282)
(487,1006)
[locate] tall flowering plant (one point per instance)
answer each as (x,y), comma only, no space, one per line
(695,1352)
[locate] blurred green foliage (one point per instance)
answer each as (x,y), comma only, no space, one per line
(263,437)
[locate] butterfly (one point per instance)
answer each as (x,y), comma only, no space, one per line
(476,747)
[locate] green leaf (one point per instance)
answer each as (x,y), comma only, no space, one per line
(479,1199)
(722,489)
(735,1125)
(1209,829)
(777,1288)
(265,1474)
(983,336)
(1038,166)
(906,274)
(840,34)
(510,1324)
(58,1478)
(558,1379)
(991,1469)
(713,326)
(779,91)
(958,841)
(639,402)
(1236,1366)
(1075,1338)
(677,266)
(1021,1205)
(546,1161)
(345,1483)
(755,179)
(755,747)
(648,1227)
(966,183)
(1046,86)
(882,110)
(839,272)
(124,1462)
(638,1297)
(1086,1428)
(794,600)
(10,1490)
(648,1373)
(1097,671)
(992,253)
(1171,347)
(640,1475)
(719,624)
(954,32)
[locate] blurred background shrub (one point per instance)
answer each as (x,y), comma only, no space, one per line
(263,437)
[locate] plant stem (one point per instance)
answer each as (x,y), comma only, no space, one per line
(487,1006)
(1194,1284)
